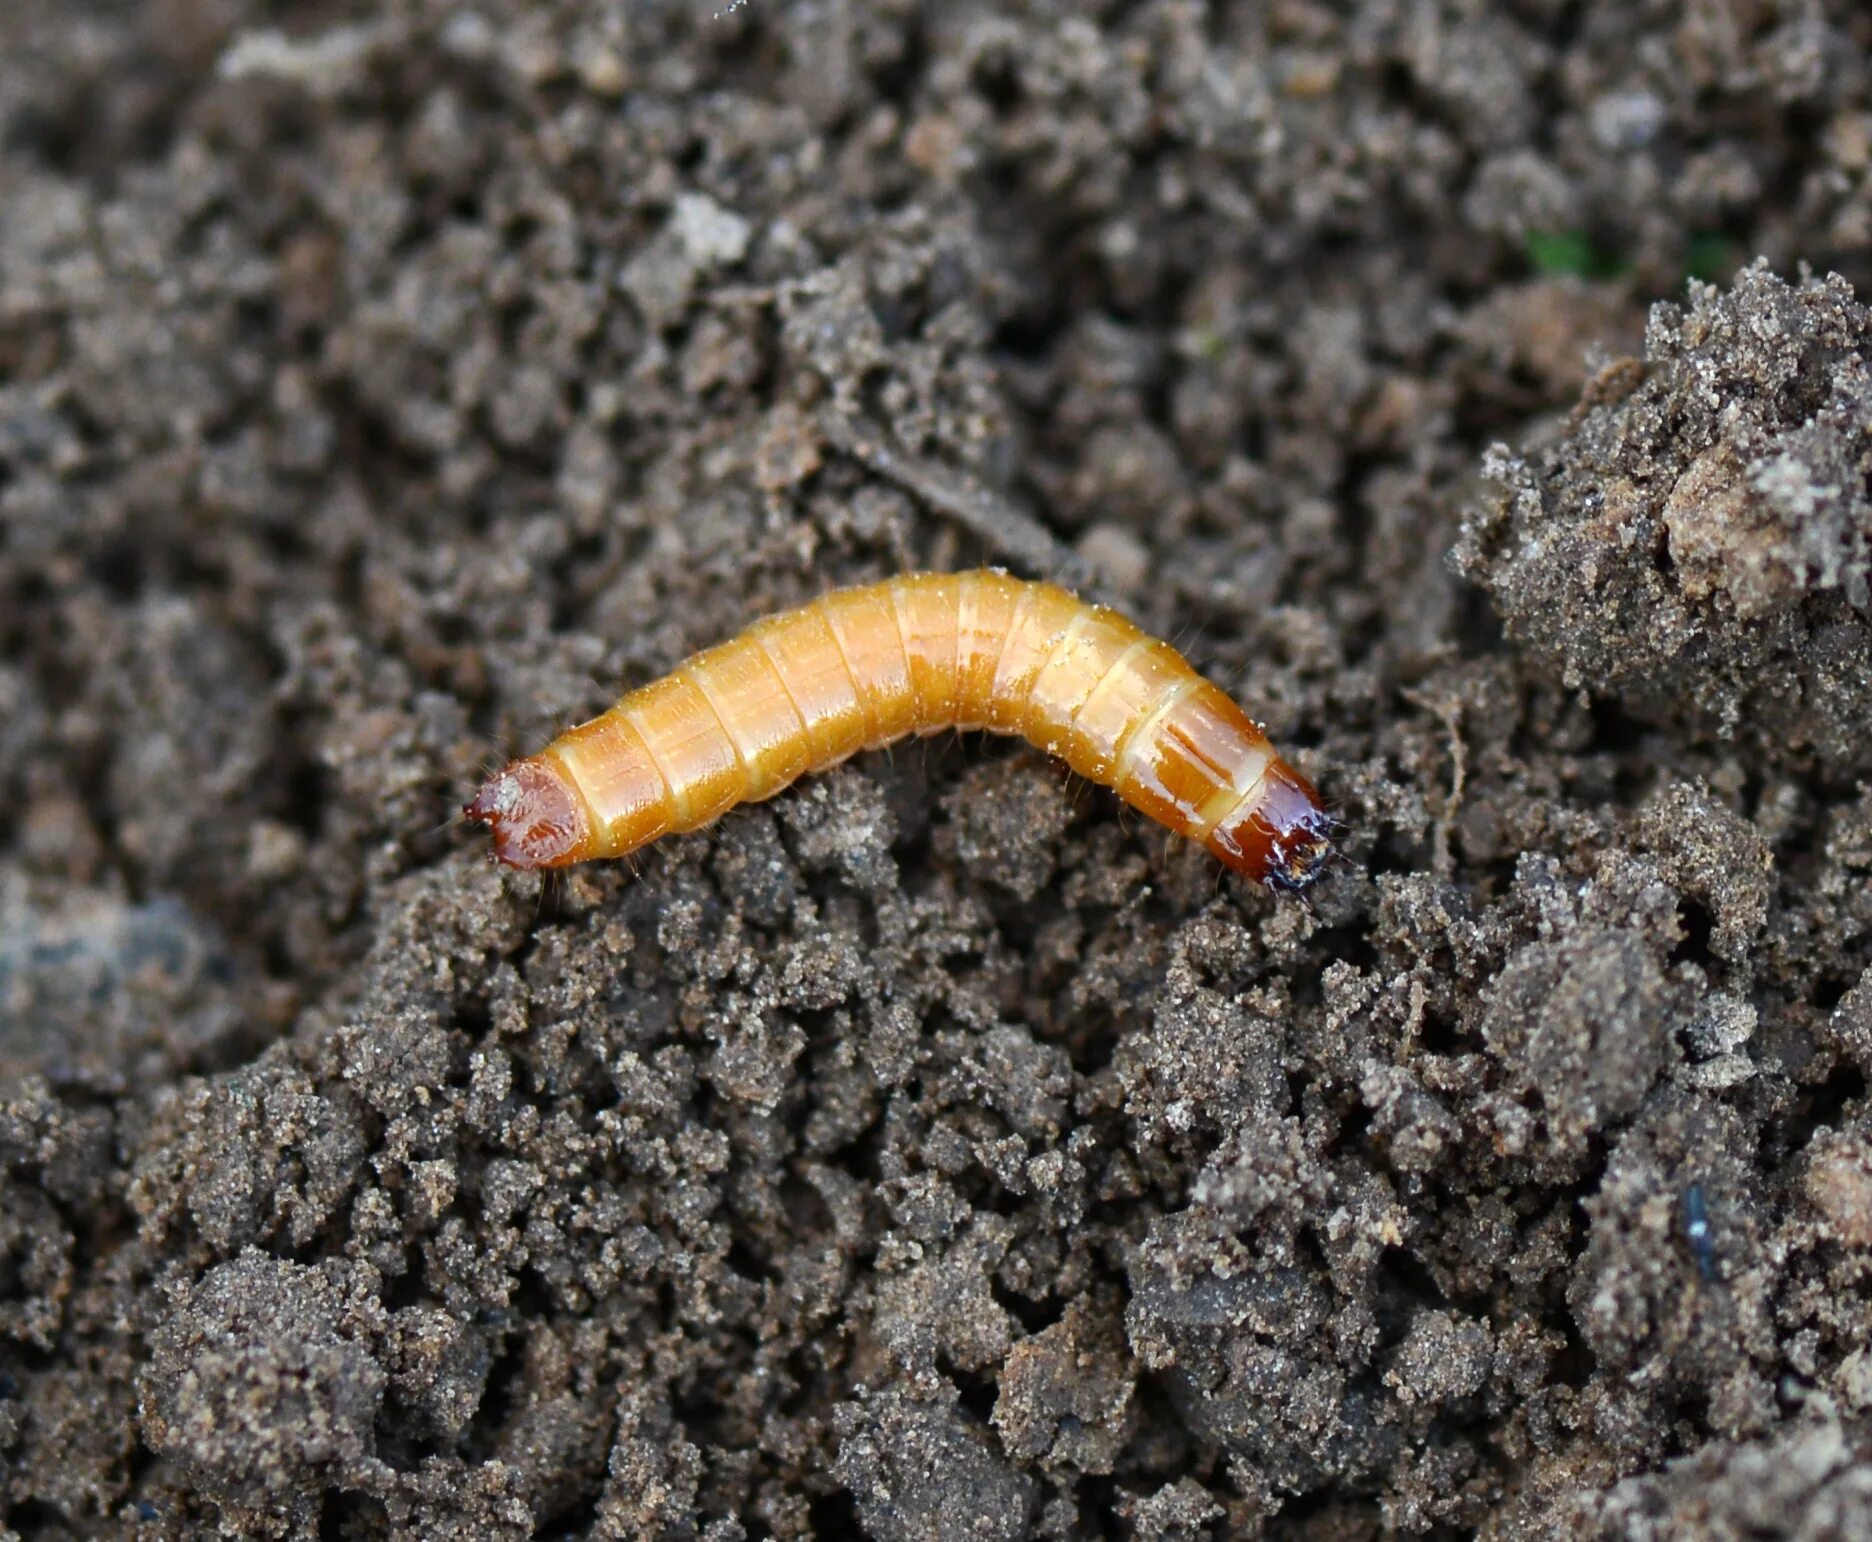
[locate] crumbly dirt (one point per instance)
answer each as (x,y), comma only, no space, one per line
(936,1151)
(1703,540)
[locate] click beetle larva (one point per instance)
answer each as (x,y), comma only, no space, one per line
(861,668)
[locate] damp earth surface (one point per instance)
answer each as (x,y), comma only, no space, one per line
(935,1151)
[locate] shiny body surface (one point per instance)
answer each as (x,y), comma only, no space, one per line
(861,668)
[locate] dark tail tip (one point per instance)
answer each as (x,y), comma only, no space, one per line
(1294,864)
(1290,833)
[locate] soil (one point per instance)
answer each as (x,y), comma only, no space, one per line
(936,1151)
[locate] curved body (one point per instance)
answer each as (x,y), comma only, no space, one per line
(861,668)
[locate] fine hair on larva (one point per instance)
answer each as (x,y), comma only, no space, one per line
(861,668)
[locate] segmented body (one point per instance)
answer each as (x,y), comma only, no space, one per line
(861,668)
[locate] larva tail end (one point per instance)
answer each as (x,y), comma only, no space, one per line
(537,817)
(1285,841)
(1299,862)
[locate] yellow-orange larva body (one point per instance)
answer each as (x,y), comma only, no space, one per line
(861,668)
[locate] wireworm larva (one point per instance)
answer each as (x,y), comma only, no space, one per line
(861,668)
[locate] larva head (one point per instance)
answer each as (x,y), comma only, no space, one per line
(537,816)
